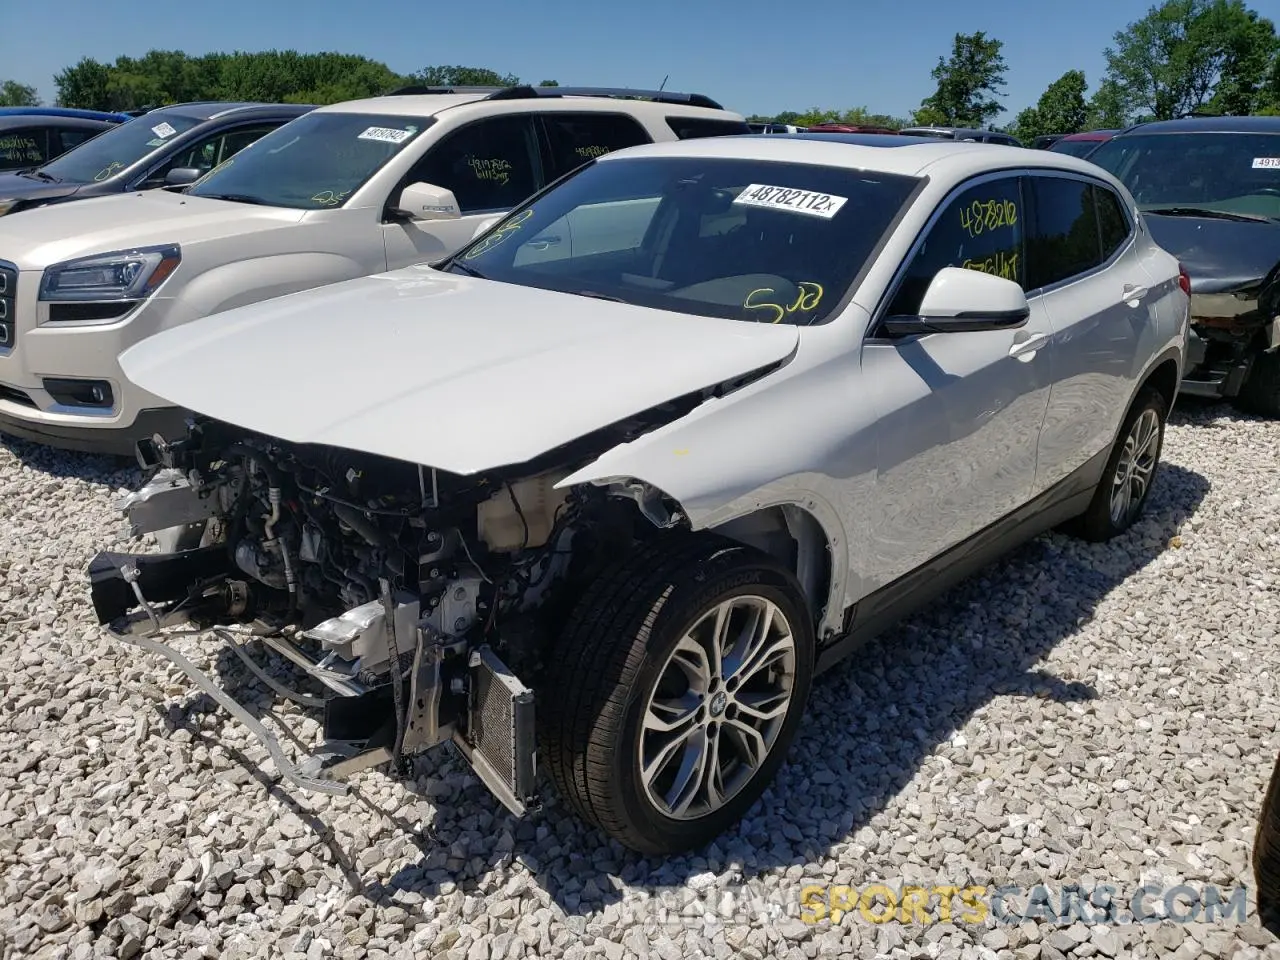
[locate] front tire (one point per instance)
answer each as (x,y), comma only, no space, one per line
(1266,855)
(1121,494)
(677,687)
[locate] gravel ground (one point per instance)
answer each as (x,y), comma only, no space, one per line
(1082,715)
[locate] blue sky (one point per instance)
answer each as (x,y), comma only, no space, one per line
(753,56)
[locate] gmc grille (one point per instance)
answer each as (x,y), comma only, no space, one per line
(8,303)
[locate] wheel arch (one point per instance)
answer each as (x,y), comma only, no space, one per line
(805,535)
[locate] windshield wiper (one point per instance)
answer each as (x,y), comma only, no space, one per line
(1211,214)
(469,271)
(236,198)
(596,296)
(39,175)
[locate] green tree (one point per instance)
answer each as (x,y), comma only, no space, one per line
(969,83)
(465,77)
(84,85)
(1185,54)
(1106,108)
(15,94)
(1061,109)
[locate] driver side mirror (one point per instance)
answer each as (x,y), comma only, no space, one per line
(425,201)
(182,176)
(964,301)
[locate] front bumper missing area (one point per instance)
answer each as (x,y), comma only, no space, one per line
(453,694)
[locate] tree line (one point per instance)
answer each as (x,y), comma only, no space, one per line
(275,76)
(1184,57)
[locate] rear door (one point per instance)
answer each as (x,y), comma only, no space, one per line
(1098,301)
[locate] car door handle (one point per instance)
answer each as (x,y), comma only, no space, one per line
(1025,349)
(1133,292)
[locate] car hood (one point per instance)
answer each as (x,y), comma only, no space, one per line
(446,371)
(34,239)
(1220,255)
(15,187)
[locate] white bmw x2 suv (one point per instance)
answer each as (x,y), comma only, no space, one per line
(609,485)
(346,190)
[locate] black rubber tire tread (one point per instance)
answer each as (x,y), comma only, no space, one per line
(1260,393)
(595,661)
(1094,525)
(1266,855)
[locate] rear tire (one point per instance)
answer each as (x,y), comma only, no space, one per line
(647,734)
(1121,494)
(1261,391)
(1266,855)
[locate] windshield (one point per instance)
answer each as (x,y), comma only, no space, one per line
(314,162)
(1223,172)
(1075,148)
(118,148)
(747,240)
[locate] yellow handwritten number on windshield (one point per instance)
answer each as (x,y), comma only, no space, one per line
(108,170)
(502,233)
(808,298)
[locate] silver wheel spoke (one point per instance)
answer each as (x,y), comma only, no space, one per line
(763,706)
(669,750)
(691,658)
(758,645)
(692,774)
(668,716)
(750,743)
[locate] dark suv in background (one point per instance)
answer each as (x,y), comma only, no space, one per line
(30,136)
(166,147)
(1209,190)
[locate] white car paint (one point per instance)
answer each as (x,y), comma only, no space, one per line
(582,363)
(233,254)
(898,451)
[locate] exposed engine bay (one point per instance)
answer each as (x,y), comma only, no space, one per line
(348,564)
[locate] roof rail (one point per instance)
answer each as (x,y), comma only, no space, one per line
(524,91)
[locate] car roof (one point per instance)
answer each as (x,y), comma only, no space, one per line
(10,121)
(69,113)
(429,104)
(218,109)
(880,152)
(1092,135)
(1209,125)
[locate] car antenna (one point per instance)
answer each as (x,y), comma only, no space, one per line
(664,83)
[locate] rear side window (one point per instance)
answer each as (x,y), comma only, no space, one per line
(1112,221)
(67,139)
(23,147)
(691,128)
(1064,241)
(489,165)
(577,138)
(982,229)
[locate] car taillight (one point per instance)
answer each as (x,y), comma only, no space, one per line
(1184,280)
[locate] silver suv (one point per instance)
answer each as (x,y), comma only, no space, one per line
(670,438)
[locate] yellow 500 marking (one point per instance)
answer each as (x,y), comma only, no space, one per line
(809,297)
(499,235)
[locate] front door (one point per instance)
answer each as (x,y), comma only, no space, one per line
(958,414)
(490,165)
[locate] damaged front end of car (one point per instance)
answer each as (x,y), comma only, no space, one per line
(418,599)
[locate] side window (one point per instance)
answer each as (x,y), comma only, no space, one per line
(489,165)
(1064,242)
(691,128)
(23,147)
(1112,221)
(206,154)
(981,229)
(576,138)
(68,139)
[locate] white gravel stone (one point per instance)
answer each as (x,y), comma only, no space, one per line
(1098,715)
